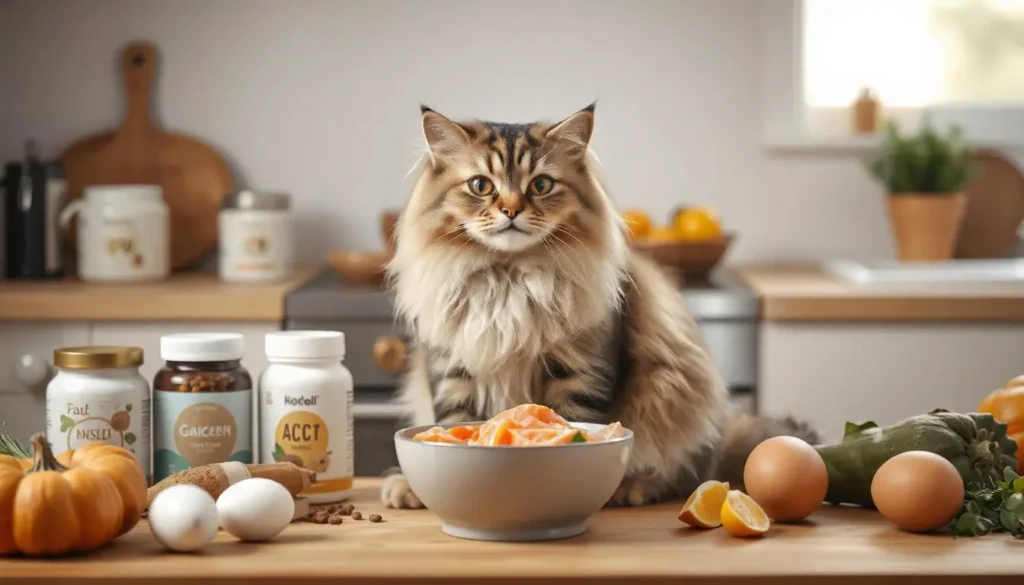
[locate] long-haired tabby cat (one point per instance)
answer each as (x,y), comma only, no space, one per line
(513,273)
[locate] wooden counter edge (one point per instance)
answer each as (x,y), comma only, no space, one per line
(813,579)
(183,297)
(822,302)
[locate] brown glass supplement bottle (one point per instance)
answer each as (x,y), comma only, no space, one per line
(202,403)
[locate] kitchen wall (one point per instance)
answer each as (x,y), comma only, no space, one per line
(319,97)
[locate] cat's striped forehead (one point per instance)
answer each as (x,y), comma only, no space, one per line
(507,149)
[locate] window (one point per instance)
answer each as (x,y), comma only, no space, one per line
(959,60)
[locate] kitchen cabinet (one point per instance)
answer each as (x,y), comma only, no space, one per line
(26,351)
(831,352)
(832,372)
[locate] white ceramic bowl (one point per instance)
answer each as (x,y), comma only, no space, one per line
(514,493)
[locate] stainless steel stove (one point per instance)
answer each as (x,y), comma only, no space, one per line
(726,310)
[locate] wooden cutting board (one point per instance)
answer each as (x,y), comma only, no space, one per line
(194,177)
(995,208)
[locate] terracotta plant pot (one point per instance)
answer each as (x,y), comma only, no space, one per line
(926,225)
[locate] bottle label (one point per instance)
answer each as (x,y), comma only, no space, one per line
(120,420)
(295,431)
(255,243)
(192,429)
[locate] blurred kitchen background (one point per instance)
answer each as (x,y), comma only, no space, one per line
(761,112)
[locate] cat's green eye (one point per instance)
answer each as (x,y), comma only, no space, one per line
(541,185)
(481,186)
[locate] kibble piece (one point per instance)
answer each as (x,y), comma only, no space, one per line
(321,517)
(332,510)
(335,519)
(375,518)
(357,515)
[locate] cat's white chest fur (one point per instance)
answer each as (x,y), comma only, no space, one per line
(495,318)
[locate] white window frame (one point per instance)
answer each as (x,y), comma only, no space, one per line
(790,126)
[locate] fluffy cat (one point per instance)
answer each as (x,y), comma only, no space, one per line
(513,272)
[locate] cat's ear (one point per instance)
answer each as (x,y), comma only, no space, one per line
(572,135)
(444,137)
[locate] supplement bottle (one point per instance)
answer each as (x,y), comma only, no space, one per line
(98,394)
(202,403)
(305,406)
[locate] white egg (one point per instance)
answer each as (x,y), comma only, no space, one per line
(183,518)
(255,509)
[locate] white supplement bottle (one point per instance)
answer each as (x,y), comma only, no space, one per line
(305,406)
(98,395)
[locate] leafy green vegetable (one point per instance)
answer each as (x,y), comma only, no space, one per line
(974,443)
(992,505)
(578,438)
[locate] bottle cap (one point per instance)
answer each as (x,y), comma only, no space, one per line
(97,357)
(202,347)
(306,344)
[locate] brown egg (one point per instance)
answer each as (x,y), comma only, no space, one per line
(917,491)
(787,477)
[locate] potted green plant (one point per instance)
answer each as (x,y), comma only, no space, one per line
(924,176)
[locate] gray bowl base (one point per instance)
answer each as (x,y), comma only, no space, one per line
(516,534)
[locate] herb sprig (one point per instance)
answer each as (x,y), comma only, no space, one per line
(996,506)
(10,446)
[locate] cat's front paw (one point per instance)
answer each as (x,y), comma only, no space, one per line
(396,493)
(635,491)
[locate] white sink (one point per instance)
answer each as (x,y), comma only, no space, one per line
(883,272)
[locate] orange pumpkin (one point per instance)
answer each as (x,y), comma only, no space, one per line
(77,502)
(1006,405)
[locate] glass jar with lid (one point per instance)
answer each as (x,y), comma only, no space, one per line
(256,239)
(202,403)
(98,395)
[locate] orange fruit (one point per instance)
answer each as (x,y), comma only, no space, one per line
(638,222)
(661,234)
(742,516)
(696,224)
(703,508)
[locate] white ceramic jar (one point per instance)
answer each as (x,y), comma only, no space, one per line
(98,394)
(305,411)
(123,233)
(256,240)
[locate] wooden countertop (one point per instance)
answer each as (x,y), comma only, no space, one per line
(809,293)
(629,546)
(183,297)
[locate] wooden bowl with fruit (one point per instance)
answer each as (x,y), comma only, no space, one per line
(693,243)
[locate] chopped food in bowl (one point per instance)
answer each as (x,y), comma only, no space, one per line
(527,474)
(528,425)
